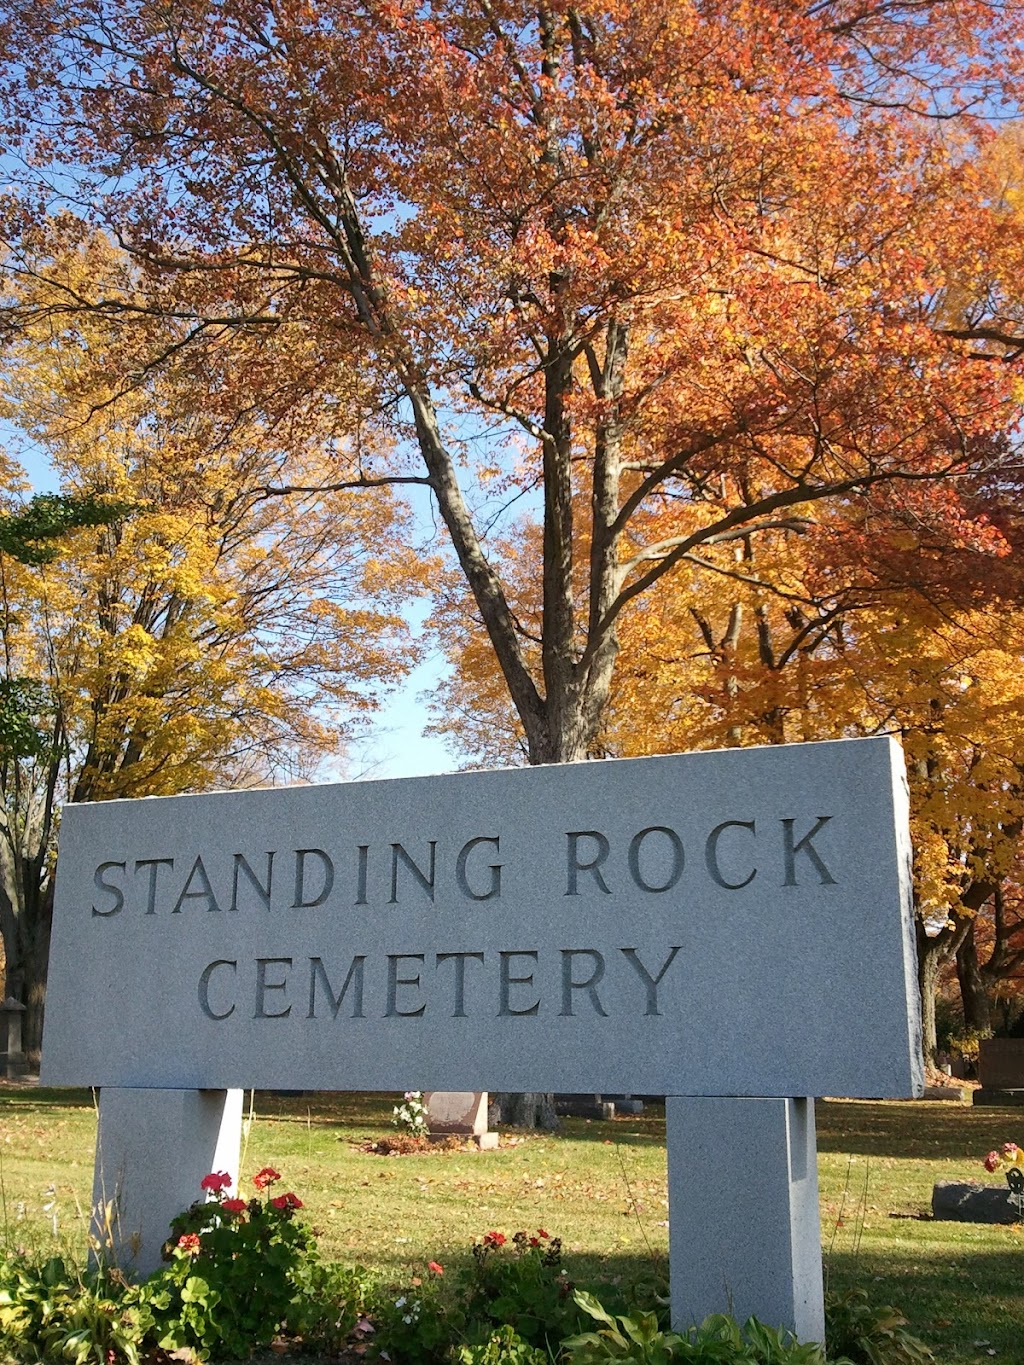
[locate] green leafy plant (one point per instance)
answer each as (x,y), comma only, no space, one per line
(519,1280)
(863,1333)
(504,1346)
(332,1304)
(50,1312)
(639,1339)
(414,1327)
(411,1115)
(234,1274)
(636,1337)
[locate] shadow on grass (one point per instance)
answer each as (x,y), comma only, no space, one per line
(365,1112)
(36,1099)
(959,1302)
(646,1129)
(622,1280)
(915,1128)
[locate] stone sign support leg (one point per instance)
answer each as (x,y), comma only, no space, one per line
(745,1235)
(152,1150)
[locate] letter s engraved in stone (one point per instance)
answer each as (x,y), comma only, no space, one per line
(115,891)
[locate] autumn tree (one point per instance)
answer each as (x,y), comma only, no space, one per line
(924,641)
(889,615)
(30,534)
(210,637)
(671,266)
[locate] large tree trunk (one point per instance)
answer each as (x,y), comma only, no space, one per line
(974,991)
(533,1109)
(929,960)
(932,952)
(27,964)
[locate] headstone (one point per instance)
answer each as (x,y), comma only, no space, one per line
(12,1056)
(1001,1063)
(584,1107)
(960,1201)
(626,1104)
(730,927)
(1004,1099)
(460,1113)
(944,1092)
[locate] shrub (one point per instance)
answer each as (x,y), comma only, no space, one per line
(638,1339)
(504,1346)
(519,1280)
(235,1272)
(414,1327)
(869,1334)
(49,1312)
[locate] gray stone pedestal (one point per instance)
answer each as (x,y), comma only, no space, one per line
(152,1150)
(745,1234)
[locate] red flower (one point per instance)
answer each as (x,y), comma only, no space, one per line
(542,1233)
(265,1177)
(286,1201)
(190,1243)
(992,1161)
(1010,1151)
(435,1267)
(494,1239)
(234,1205)
(215,1181)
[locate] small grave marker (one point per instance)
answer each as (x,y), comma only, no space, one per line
(732,930)
(460,1113)
(1015,1180)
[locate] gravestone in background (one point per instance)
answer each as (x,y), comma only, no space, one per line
(732,930)
(460,1113)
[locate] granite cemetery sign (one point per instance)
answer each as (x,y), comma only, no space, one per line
(730,929)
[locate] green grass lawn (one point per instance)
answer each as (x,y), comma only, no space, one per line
(599,1186)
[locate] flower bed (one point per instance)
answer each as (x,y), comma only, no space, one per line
(244,1273)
